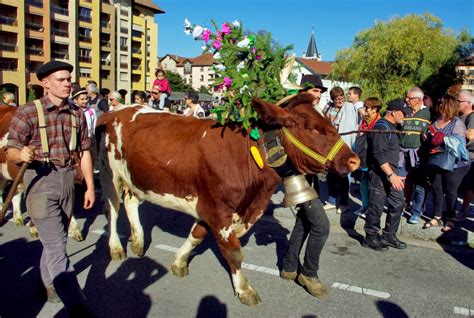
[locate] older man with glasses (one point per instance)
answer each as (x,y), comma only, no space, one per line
(416,123)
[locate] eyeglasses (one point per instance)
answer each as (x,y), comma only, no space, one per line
(410,98)
(155,93)
(339,99)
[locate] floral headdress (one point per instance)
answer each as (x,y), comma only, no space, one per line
(247,66)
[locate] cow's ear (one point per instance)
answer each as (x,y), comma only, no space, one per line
(273,115)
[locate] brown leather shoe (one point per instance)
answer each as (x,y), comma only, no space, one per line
(288,275)
(52,295)
(314,286)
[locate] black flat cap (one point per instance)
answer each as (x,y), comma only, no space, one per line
(78,91)
(398,104)
(51,67)
(309,81)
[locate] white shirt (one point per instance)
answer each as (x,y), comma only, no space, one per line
(198,112)
(91,120)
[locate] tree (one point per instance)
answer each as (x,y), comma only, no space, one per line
(391,57)
(176,82)
(204,90)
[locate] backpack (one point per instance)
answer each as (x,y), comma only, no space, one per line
(360,145)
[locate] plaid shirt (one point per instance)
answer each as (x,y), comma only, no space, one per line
(24,130)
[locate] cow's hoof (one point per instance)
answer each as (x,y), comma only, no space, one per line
(118,255)
(77,236)
(180,271)
(137,249)
(19,221)
(250,298)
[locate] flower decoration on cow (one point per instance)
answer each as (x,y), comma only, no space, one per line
(246,65)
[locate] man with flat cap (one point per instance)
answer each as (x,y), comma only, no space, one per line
(311,225)
(50,149)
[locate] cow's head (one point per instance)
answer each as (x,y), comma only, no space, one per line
(306,125)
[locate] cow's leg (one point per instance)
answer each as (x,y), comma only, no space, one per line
(195,237)
(75,230)
(110,191)
(132,203)
(230,247)
(16,203)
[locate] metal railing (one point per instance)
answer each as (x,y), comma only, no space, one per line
(59,10)
(34,50)
(35,3)
(85,18)
(84,38)
(60,32)
(124,48)
(34,26)
(105,24)
(10,47)
(64,55)
(83,58)
(7,20)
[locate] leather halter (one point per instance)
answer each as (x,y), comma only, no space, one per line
(319,158)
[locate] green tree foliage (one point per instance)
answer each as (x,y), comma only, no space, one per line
(176,82)
(204,90)
(391,57)
(31,94)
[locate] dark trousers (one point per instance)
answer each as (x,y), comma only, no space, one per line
(338,187)
(446,183)
(312,224)
(381,191)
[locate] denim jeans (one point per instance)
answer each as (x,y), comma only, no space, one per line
(364,188)
(380,191)
(338,186)
(311,223)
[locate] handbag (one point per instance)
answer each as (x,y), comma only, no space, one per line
(444,160)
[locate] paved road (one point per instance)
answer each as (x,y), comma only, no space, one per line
(426,280)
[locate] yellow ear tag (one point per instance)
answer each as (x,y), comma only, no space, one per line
(256,156)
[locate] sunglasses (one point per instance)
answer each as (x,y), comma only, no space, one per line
(155,93)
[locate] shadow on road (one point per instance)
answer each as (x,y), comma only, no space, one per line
(389,309)
(210,306)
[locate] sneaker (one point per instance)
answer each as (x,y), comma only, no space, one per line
(414,219)
(288,275)
(341,209)
(329,206)
(374,242)
(313,285)
(52,295)
(361,212)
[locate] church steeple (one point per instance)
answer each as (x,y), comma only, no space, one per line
(312,51)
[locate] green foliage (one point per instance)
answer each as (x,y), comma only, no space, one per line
(204,90)
(176,82)
(391,57)
(31,94)
(248,66)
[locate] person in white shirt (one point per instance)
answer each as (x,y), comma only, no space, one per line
(354,97)
(193,108)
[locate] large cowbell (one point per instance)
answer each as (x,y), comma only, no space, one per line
(297,190)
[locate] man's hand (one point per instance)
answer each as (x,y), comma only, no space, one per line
(89,198)
(27,154)
(398,182)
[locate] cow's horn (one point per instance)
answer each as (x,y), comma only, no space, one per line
(297,190)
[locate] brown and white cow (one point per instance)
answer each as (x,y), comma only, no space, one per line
(8,172)
(205,170)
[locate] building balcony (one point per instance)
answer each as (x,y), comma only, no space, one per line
(8,20)
(136,50)
(124,48)
(105,24)
(8,47)
(34,50)
(38,27)
(62,55)
(86,59)
(34,3)
(84,38)
(85,18)
(124,65)
(59,10)
(123,30)
(60,32)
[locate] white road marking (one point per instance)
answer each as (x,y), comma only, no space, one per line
(464,311)
(361,290)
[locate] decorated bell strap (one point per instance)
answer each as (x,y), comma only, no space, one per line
(319,158)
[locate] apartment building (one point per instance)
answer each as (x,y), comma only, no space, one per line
(466,68)
(113,42)
(196,71)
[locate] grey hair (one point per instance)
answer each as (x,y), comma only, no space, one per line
(418,92)
(116,95)
(468,94)
(9,96)
(93,88)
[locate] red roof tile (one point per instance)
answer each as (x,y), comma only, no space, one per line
(150,5)
(317,67)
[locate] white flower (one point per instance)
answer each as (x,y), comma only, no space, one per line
(197,31)
(243,89)
(187,24)
(240,66)
(236,24)
(187,32)
(217,55)
(219,67)
(244,43)
(203,47)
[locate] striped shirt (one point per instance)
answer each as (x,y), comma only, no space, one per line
(24,130)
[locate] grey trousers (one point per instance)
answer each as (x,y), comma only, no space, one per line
(50,203)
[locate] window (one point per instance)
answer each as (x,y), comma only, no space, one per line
(123,76)
(85,15)
(84,72)
(202,69)
(202,78)
(471,72)
(123,43)
(187,68)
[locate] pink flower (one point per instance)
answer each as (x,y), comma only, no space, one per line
(217,44)
(227,81)
(206,35)
(226,28)
(254,50)
(258,57)
(220,87)
(219,35)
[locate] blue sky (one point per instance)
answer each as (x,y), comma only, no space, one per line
(335,22)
